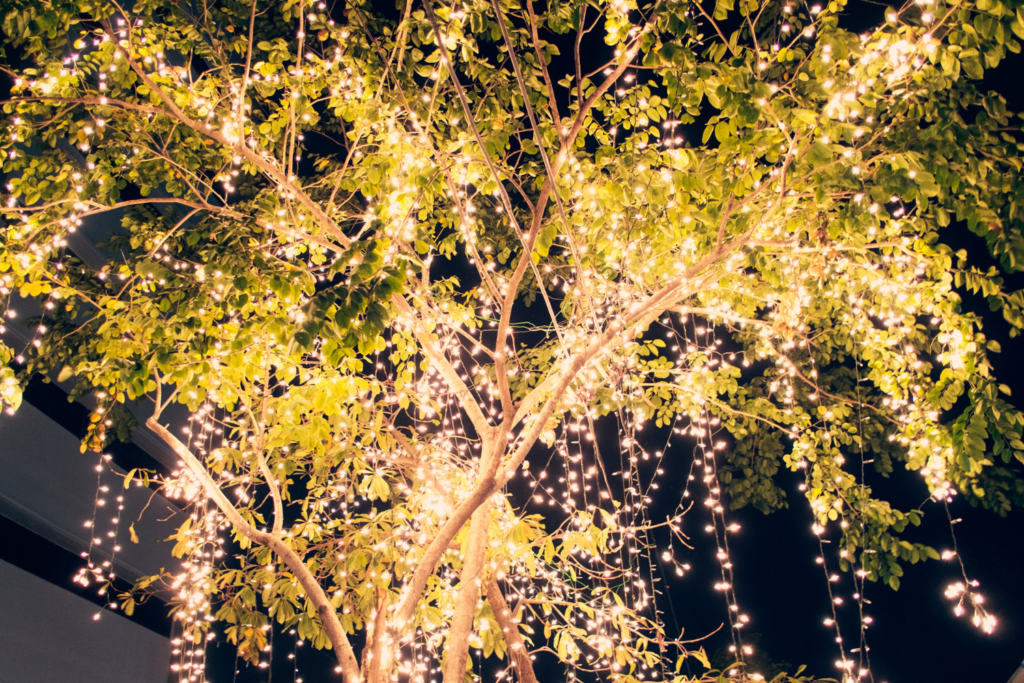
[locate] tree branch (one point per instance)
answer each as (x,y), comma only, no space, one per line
(439,545)
(510,629)
(470,582)
(241,148)
(328,615)
(527,242)
(556,118)
(275,493)
(245,74)
(448,371)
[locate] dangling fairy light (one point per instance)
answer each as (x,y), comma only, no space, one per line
(200,544)
(860,575)
(98,568)
(844,664)
(965,591)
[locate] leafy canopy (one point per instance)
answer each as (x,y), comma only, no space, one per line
(385,255)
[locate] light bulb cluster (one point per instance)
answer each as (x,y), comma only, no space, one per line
(961,592)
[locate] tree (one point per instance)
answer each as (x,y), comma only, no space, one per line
(384,255)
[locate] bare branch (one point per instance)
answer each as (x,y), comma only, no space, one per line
(718,30)
(576,55)
(439,545)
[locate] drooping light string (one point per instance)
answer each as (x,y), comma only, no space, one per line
(703,428)
(82,577)
(860,575)
(100,564)
(844,664)
(720,528)
(201,543)
(294,656)
(965,590)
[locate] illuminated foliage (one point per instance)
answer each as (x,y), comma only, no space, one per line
(384,257)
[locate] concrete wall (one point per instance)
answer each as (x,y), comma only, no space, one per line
(48,486)
(49,635)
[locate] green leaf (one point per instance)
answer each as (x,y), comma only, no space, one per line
(701,657)
(545,238)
